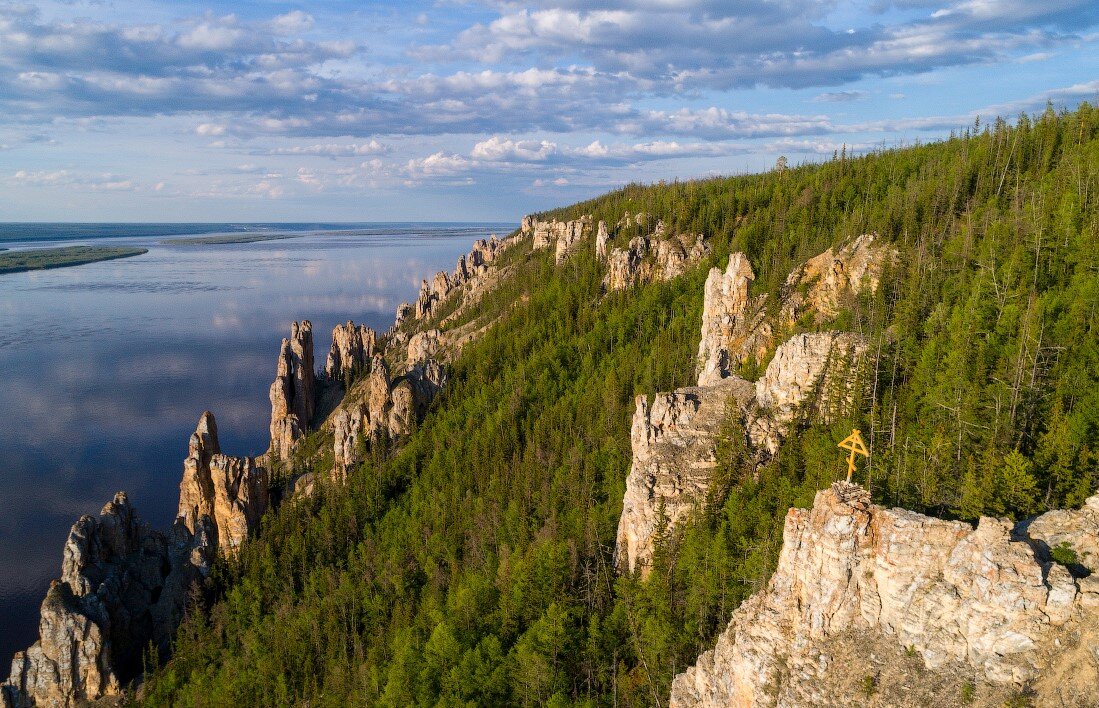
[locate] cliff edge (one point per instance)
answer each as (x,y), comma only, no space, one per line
(880,606)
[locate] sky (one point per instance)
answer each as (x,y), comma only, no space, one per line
(459,110)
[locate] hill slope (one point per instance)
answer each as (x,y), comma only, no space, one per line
(474,563)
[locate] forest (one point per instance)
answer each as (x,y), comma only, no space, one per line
(472,564)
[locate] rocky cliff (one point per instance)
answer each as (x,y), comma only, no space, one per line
(734,325)
(655,256)
(232,492)
(888,607)
(122,586)
(674,441)
(293,393)
(811,377)
(353,347)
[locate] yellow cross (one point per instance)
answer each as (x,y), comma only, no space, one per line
(854,443)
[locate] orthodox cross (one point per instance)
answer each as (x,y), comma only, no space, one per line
(854,443)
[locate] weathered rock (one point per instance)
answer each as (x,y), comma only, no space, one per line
(352,349)
(566,242)
(404,313)
(424,345)
(813,376)
(625,266)
(820,285)
(348,426)
(734,325)
(378,399)
(959,598)
(655,257)
(232,491)
(601,238)
(674,443)
(293,394)
(122,586)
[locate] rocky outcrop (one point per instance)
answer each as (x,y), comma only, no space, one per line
(563,235)
(814,376)
(122,586)
(468,272)
(967,602)
(601,238)
(674,441)
(654,257)
(348,427)
(352,349)
(820,285)
(734,325)
(293,394)
(232,492)
(574,231)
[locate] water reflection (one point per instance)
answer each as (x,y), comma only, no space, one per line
(106,368)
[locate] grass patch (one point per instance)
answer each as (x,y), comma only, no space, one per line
(41,259)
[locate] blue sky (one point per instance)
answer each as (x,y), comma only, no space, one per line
(468,109)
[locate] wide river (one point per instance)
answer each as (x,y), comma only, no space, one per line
(105,368)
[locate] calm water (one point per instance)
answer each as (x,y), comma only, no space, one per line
(105,368)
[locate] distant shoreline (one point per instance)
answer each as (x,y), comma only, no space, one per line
(226,239)
(48,258)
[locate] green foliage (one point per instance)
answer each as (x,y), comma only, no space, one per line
(472,564)
(1064,554)
(44,258)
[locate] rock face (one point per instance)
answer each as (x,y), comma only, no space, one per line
(468,271)
(601,242)
(814,376)
(733,324)
(352,349)
(811,377)
(122,586)
(976,602)
(574,231)
(232,492)
(674,442)
(654,257)
(820,285)
(348,426)
(293,394)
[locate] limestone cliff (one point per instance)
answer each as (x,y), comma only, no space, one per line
(674,443)
(232,492)
(656,256)
(352,349)
(820,285)
(122,586)
(737,327)
(293,393)
(912,606)
(811,377)
(733,323)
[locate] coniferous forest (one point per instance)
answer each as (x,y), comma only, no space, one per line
(472,564)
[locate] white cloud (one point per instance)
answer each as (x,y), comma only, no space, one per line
(499,149)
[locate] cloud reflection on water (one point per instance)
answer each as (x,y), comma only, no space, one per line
(108,366)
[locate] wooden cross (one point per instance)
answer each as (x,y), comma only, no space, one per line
(854,443)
